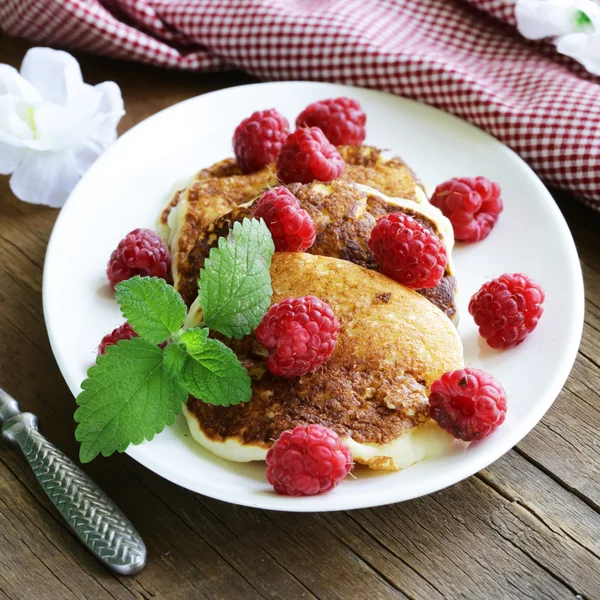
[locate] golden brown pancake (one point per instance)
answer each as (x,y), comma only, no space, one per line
(373,391)
(344,214)
(203,202)
(366,165)
(207,198)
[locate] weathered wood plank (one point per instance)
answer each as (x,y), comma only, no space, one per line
(566,443)
(180,559)
(247,538)
(470,542)
(48,538)
(521,483)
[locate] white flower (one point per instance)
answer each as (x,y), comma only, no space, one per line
(583,47)
(53,126)
(574,26)
(537,19)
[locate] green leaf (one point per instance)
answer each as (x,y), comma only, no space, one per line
(153,308)
(235,283)
(127,398)
(173,359)
(194,339)
(582,21)
(212,372)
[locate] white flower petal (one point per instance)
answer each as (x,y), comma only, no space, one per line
(45,178)
(15,121)
(66,125)
(17,125)
(103,127)
(110,111)
(12,84)
(54,73)
(10,157)
(537,19)
(85,155)
(112,101)
(583,48)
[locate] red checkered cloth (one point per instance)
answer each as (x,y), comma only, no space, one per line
(463,56)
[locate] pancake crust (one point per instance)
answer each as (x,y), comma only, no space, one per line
(364,164)
(213,192)
(392,345)
(344,215)
(368,165)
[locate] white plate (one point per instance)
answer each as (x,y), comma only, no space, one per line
(126,186)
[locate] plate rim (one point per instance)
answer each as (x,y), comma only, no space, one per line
(344,502)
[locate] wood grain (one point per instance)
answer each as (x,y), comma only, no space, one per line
(526,527)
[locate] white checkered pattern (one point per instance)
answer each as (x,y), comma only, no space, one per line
(447,53)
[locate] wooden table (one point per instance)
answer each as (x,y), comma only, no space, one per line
(526,527)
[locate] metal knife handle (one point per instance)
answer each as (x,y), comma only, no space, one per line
(91,514)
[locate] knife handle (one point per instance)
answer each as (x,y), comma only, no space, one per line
(89,512)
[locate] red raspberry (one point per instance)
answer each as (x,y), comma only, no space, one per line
(307,460)
(300,335)
(507,309)
(290,225)
(342,120)
(472,205)
(123,332)
(140,252)
(258,139)
(407,252)
(308,155)
(468,403)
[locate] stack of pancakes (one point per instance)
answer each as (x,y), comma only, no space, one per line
(394,342)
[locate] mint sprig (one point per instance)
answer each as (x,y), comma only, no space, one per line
(235,284)
(127,398)
(137,388)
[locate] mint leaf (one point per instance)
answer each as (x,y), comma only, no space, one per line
(194,339)
(153,308)
(212,372)
(173,359)
(127,398)
(235,283)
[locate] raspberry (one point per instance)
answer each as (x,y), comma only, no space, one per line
(140,252)
(290,225)
(342,120)
(507,309)
(307,460)
(472,205)
(258,139)
(308,155)
(407,252)
(468,403)
(123,332)
(300,335)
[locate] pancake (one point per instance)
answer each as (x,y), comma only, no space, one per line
(344,214)
(203,202)
(370,166)
(373,391)
(366,165)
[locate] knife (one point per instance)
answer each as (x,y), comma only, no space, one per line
(89,512)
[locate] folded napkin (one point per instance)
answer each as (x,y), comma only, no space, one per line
(463,56)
